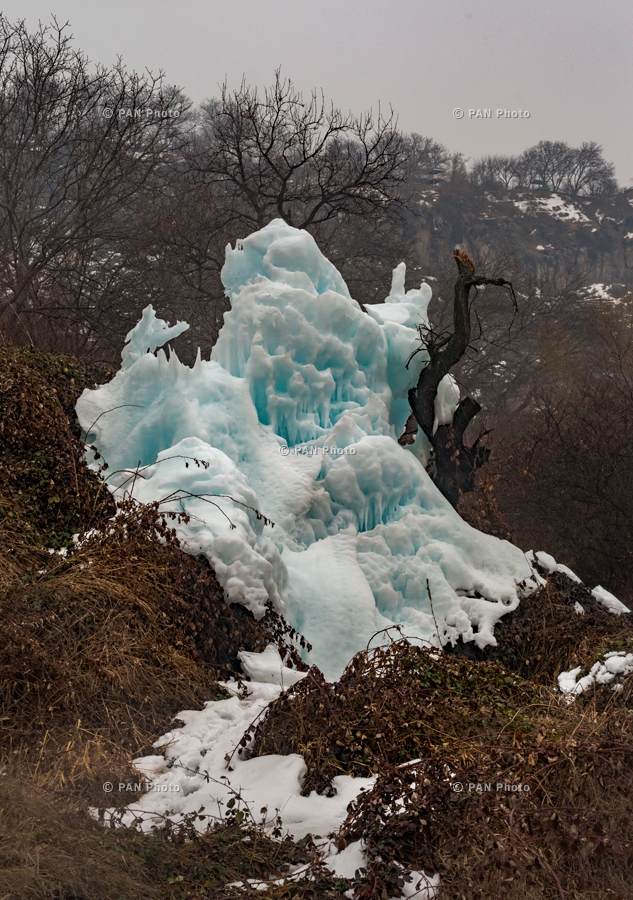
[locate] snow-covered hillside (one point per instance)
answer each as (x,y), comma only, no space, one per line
(296,417)
(545,230)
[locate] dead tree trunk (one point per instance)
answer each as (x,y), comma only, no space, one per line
(455,464)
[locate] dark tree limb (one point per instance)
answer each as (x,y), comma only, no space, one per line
(409,433)
(455,464)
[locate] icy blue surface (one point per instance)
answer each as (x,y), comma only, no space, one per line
(297,415)
(149,334)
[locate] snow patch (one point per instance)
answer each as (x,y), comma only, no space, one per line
(549,564)
(446,401)
(267,667)
(610,603)
(198,769)
(554,206)
(599,291)
(617,664)
(604,597)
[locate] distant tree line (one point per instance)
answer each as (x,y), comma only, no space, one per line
(549,165)
(115,192)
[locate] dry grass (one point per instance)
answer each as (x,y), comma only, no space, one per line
(101,649)
(569,836)
(545,635)
(50,850)
(388,708)
(46,493)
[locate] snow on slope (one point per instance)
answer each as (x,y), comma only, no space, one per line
(604,597)
(191,772)
(555,206)
(617,663)
(199,773)
(297,415)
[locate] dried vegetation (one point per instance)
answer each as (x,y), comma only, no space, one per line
(101,647)
(485,777)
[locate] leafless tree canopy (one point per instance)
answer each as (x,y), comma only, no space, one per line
(78,149)
(299,159)
(551,165)
(114,193)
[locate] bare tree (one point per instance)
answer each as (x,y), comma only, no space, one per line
(567,473)
(454,462)
(589,172)
(300,160)
(503,355)
(494,171)
(428,160)
(551,165)
(78,147)
(179,250)
(547,164)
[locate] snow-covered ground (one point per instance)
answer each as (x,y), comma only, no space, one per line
(617,664)
(199,768)
(200,772)
(599,291)
(296,416)
(555,206)
(602,595)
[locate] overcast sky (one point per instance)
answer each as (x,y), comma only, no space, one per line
(567,62)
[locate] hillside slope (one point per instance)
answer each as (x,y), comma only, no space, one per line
(501,767)
(546,231)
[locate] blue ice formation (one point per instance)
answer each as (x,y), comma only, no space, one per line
(149,334)
(297,415)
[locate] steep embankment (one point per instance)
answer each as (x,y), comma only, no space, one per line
(546,231)
(485,777)
(103,641)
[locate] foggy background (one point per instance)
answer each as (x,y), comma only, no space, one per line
(569,64)
(103,214)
